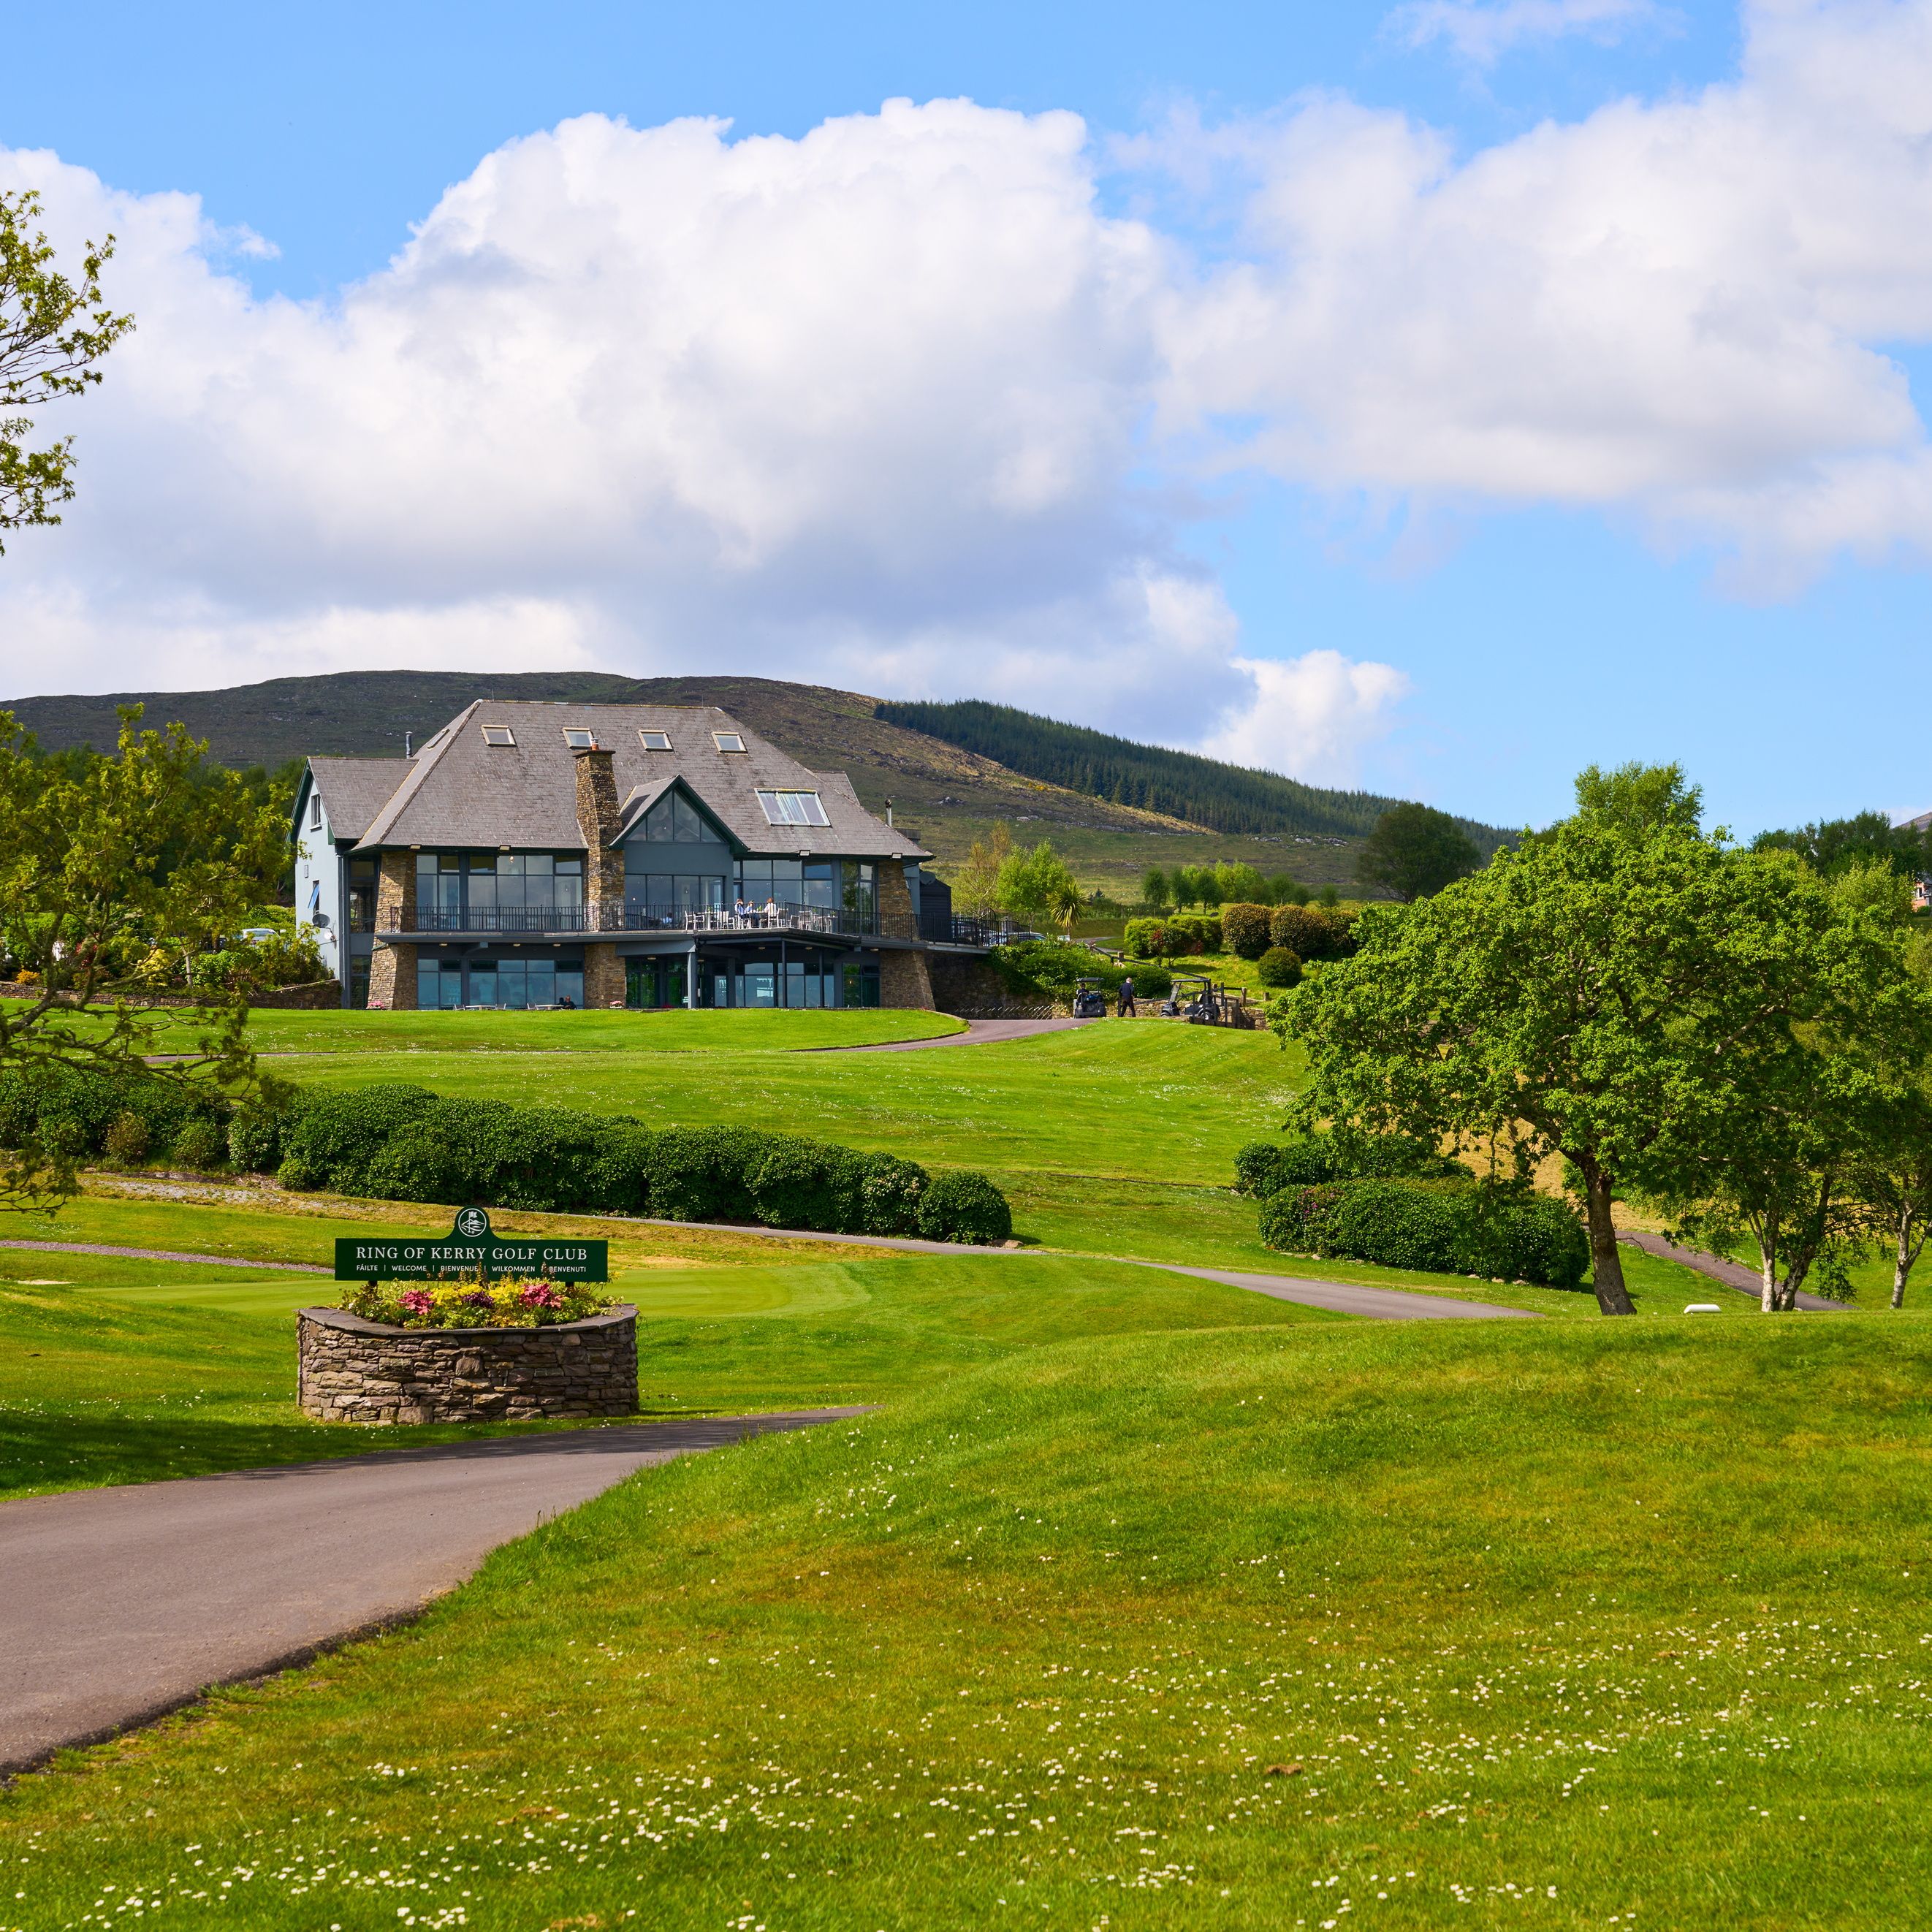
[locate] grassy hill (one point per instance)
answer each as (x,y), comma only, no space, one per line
(1192,810)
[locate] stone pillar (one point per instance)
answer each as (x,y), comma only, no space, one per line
(896,919)
(905,980)
(603,977)
(392,968)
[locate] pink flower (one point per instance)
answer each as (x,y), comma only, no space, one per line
(416,1301)
(540,1294)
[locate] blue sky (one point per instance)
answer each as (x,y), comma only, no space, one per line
(1681,574)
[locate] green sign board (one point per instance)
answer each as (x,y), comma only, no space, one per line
(471,1245)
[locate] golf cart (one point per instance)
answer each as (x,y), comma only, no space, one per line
(1090,999)
(1189,991)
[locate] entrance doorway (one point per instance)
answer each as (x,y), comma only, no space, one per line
(653,984)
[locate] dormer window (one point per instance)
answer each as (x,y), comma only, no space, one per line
(793,808)
(654,741)
(498,734)
(580,738)
(727,741)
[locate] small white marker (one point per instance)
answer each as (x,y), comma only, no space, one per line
(1702,1308)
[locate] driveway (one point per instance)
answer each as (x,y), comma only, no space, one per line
(121,1604)
(979,1033)
(1729,1274)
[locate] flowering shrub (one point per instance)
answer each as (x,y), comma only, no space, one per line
(471,1303)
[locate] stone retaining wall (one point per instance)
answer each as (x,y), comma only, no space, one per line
(351,1370)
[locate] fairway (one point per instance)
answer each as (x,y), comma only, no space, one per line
(1538,1624)
(1116,1098)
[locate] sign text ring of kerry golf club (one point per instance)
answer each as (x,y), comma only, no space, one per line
(471,1245)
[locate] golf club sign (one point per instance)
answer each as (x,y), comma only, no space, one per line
(471,1245)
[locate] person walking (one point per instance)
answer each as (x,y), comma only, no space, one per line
(1128,1011)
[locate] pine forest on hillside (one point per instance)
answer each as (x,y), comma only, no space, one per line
(1178,784)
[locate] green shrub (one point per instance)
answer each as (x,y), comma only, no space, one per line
(1436,1227)
(397,1142)
(255,1138)
(1244,928)
(1145,939)
(1310,932)
(300,1175)
(962,1206)
(1279,967)
(127,1138)
(890,1192)
(201,1141)
(1263,1168)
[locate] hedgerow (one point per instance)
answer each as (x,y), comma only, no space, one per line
(1046,966)
(1439,1227)
(391,1140)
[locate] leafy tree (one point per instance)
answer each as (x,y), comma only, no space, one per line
(1635,799)
(976,890)
(1621,991)
(1283,891)
(1154,888)
(102,861)
(1837,845)
(1244,930)
(1037,885)
(1236,884)
(1415,850)
(51,330)
(1328,897)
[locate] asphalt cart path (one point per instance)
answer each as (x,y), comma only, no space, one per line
(979,1033)
(121,1604)
(1346,1297)
(1728,1274)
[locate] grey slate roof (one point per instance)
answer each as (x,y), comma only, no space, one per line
(354,790)
(458,791)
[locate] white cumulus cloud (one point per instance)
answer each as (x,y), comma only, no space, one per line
(899,405)
(1482,32)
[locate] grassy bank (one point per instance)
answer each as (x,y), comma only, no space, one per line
(1542,1623)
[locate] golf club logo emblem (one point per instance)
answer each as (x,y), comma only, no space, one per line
(472,1224)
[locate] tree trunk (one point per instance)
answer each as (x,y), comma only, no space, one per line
(1606,1267)
(1901,1265)
(1767,1249)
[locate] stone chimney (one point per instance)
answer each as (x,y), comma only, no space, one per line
(598,814)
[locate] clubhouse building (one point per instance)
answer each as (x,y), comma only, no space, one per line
(532,855)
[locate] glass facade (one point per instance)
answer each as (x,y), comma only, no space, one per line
(542,979)
(675,820)
(453,884)
(362,896)
(770,975)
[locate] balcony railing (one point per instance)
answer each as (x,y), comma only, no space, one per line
(767,918)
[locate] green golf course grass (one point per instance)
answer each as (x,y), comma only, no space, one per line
(1546,1624)
(751,1031)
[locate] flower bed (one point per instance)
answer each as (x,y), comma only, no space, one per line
(471,1304)
(352,1369)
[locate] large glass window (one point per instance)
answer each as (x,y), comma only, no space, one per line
(540,980)
(361,895)
(793,808)
(821,884)
(780,879)
(862,984)
(675,820)
(450,884)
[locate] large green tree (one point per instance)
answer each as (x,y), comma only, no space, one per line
(1620,991)
(1037,885)
(106,861)
(53,330)
(1415,850)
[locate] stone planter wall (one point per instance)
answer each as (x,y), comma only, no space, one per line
(351,1370)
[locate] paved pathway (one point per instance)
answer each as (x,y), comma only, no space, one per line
(168,1255)
(1730,1274)
(979,1033)
(1346,1298)
(121,1604)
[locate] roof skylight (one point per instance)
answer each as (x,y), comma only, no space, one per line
(727,741)
(580,738)
(793,808)
(498,734)
(654,741)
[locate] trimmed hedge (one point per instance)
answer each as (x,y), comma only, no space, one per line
(1244,929)
(394,1141)
(1263,1168)
(1280,967)
(1177,936)
(397,1142)
(1311,933)
(1438,1227)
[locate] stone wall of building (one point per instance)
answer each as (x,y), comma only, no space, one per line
(903,980)
(350,1370)
(392,969)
